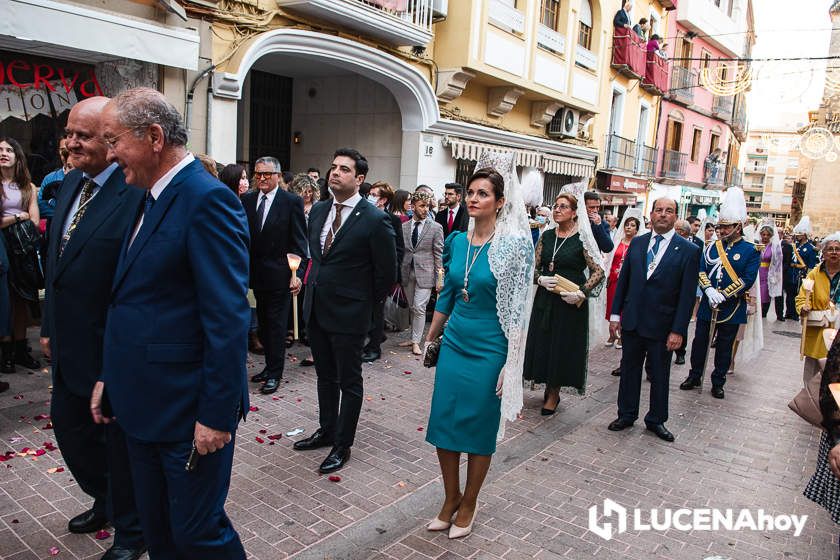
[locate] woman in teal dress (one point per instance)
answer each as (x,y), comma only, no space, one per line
(557,348)
(466,407)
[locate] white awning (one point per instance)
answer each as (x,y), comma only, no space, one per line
(561,165)
(578,167)
(38,25)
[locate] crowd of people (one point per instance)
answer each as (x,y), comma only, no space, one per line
(162,269)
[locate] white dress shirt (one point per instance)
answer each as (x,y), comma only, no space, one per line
(419,225)
(346,211)
(162,183)
(100,180)
(269,198)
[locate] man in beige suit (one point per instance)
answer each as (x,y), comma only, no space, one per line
(420,265)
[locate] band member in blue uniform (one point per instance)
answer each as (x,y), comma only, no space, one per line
(805,255)
(728,268)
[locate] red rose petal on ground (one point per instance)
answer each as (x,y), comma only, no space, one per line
(270,443)
(420,429)
(25,450)
(48,426)
(274,436)
(54,551)
(300,400)
(259,440)
(41,417)
(102,534)
(15,521)
(275,398)
(263,431)
(18,397)
(335,478)
(49,446)
(254,408)
(406,373)
(40,452)
(55,470)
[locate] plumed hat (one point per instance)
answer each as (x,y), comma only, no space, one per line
(803,227)
(733,207)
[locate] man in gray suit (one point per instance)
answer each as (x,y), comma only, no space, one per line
(423,249)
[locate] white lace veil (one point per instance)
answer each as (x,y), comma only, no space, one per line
(753,341)
(598,297)
(774,274)
(618,235)
(511,257)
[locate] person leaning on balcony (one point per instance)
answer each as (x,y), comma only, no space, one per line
(622,16)
(654,46)
(641,29)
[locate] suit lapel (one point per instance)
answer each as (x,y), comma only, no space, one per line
(274,210)
(356,215)
(671,252)
(317,219)
(100,207)
(426,227)
(151,221)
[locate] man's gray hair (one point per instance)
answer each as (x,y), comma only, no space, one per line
(272,161)
(139,108)
(683,225)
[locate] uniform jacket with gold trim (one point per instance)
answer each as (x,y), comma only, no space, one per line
(744,259)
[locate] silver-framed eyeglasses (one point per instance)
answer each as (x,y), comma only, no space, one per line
(112,142)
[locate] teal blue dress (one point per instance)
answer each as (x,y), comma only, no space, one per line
(465,410)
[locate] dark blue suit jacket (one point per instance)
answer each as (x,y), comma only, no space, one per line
(621,18)
(657,306)
(78,285)
(176,335)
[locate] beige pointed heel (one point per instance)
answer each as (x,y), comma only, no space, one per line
(456,532)
(438,525)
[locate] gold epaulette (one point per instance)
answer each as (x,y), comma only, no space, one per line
(704,281)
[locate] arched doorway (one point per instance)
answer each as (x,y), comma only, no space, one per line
(314,92)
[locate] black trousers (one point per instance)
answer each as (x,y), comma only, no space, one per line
(790,302)
(778,304)
(338,365)
(654,354)
(376,334)
(726,333)
(272,320)
(97,456)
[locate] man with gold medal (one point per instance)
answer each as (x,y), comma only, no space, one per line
(728,268)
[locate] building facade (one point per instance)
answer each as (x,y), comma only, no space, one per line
(770,167)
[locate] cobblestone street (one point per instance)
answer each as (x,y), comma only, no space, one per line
(747,451)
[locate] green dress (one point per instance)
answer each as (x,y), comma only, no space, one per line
(465,410)
(557,347)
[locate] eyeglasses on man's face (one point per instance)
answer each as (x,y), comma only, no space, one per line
(112,141)
(264,174)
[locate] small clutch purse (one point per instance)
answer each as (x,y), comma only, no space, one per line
(564,285)
(430,360)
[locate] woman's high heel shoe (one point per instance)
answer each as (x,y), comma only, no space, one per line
(456,532)
(438,525)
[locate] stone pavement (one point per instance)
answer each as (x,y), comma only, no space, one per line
(747,451)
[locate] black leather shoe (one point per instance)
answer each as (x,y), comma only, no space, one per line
(680,360)
(315,441)
(369,356)
(616,372)
(261,377)
(661,431)
(270,386)
(87,522)
(122,553)
(689,383)
(335,460)
(717,392)
(619,424)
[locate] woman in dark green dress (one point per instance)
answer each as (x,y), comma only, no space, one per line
(557,347)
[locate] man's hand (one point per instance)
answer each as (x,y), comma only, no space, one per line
(594,217)
(674,341)
(208,440)
(96,404)
(834,460)
(615,329)
(295,285)
(45,347)
(547,282)
(715,297)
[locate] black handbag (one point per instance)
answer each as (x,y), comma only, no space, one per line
(25,276)
(430,359)
(23,237)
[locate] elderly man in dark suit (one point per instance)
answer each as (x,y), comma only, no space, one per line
(354,264)
(277,227)
(94,209)
(176,334)
(652,306)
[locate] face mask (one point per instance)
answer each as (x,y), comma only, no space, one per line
(542,219)
(373,199)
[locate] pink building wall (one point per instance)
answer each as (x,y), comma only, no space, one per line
(699,112)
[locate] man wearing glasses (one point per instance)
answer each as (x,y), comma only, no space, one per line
(277,227)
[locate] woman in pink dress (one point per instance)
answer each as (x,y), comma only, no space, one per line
(615,260)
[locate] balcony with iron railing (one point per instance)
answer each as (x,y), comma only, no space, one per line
(714,173)
(628,53)
(683,82)
(739,121)
(674,164)
(645,160)
(735,178)
(756,169)
(655,80)
(401,23)
(722,107)
(621,153)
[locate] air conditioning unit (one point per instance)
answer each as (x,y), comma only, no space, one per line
(439,9)
(564,124)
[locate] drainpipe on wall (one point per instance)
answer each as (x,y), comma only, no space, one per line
(208,127)
(188,104)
